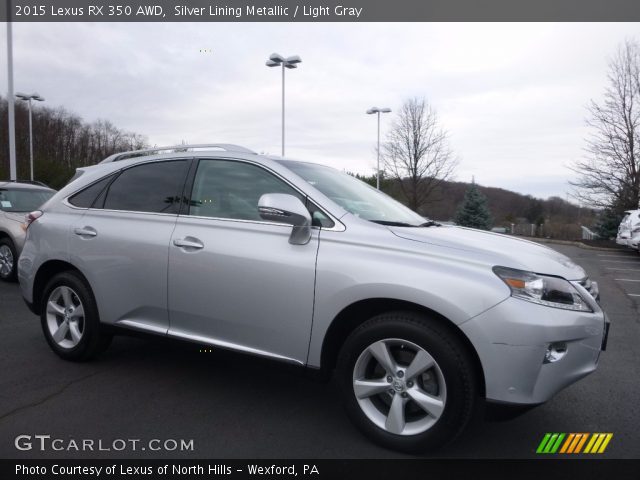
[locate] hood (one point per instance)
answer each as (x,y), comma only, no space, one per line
(497,249)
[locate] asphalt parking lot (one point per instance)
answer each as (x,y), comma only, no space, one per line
(233,406)
(624,267)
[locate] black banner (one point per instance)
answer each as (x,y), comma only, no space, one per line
(320,10)
(320,469)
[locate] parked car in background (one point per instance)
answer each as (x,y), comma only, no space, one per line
(16,200)
(629,229)
(304,264)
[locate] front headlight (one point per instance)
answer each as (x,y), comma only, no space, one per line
(542,289)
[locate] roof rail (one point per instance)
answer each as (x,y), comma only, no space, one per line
(229,147)
(30,182)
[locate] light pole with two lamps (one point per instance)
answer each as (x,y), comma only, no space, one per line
(276,60)
(27,98)
(371,111)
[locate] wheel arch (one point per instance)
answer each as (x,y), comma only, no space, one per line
(359,312)
(46,271)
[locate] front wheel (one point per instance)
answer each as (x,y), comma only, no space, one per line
(408,383)
(70,320)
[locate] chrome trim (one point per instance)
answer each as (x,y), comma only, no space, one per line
(141,326)
(136,325)
(240,220)
(64,202)
(230,346)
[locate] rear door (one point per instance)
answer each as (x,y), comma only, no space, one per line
(121,243)
(234,279)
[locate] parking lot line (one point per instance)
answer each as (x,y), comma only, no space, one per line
(626,280)
(619,255)
(624,269)
(634,294)
(615,261)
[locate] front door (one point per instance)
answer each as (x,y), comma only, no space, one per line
(234,279)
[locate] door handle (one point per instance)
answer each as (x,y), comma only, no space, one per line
(85,232)
(189,243)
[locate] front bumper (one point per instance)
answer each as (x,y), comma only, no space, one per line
(512,338)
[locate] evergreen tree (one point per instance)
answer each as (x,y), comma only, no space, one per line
(474,211)
(607,226)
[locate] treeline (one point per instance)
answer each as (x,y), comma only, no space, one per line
(62,141)
(554,217)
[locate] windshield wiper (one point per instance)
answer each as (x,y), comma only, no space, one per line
(430,223)
(393,224)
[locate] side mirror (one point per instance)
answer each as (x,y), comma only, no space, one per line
(284,208)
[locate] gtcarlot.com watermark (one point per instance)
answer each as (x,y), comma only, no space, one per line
(47,443)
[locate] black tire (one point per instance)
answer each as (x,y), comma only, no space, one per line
(11,275)
(455,365)
(94,337)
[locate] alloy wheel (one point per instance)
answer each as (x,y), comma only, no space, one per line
(399,386)
(6,261)
(65,317)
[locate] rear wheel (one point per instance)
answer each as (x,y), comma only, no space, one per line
(70,318)
(408,383)
(8,260)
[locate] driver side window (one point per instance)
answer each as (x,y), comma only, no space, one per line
(231,189)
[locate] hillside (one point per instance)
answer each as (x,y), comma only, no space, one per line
(555,216)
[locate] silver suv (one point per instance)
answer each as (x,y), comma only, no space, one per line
(304,264)
(17,198)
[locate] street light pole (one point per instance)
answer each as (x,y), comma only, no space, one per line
(290,62)
(378,111)
(10,100)
(27,98)
(283,109)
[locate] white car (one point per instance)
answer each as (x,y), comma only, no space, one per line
(629,229)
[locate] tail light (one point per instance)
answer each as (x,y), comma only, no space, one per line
(29,218)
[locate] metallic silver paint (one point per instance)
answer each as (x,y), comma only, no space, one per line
(242,285)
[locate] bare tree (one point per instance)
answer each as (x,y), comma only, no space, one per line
(62,142)
(416,153)
(610,175)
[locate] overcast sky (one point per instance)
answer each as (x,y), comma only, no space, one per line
(512,95)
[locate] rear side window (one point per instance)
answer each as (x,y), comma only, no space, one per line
(87,197)
(152,187)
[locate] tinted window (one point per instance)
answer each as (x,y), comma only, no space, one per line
(16,200)
(152,187)
(226,189)
(86,198)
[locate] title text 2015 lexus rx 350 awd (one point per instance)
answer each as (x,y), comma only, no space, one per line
(302,263)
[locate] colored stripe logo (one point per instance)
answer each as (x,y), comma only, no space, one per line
(574,443)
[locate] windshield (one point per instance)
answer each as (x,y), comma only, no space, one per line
(16,200)
(356,196)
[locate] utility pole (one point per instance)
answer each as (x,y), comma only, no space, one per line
(10,98)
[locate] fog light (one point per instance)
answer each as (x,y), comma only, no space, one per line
(555,351)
